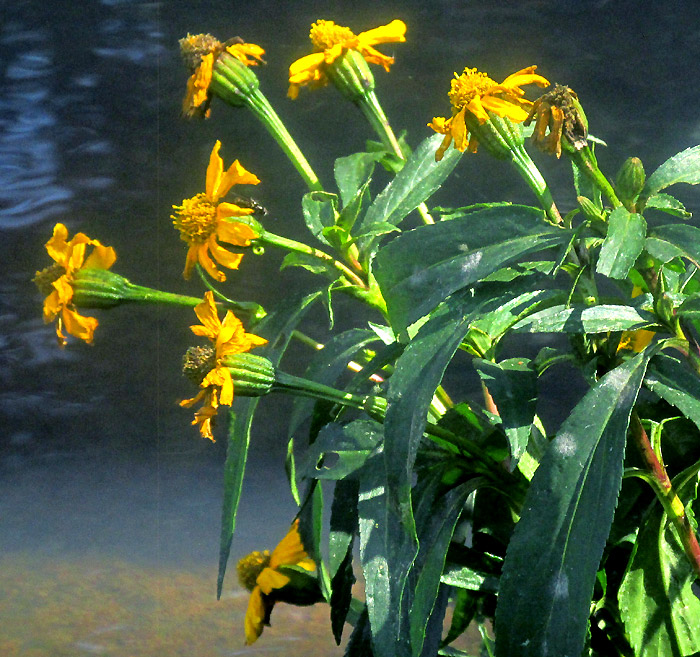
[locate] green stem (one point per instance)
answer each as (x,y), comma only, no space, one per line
(585,161)
(666,494)
(261,107)
(532,176)
(299,247)
(254,310)
(370,107)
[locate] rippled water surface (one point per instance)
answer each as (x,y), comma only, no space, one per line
(109,500)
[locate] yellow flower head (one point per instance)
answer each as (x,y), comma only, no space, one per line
(203,221)
(262,573)
(57,281)
(478,94)
(227,337)
(331,41)
(200,51)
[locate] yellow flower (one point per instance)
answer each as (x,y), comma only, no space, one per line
(228,337)
(203,221)
(638,340)
(57,281)
(478,94)
(262,573)
(331,41)
(200,51)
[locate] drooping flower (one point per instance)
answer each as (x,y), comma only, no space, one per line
(330,41)
(57,281)
(227,337)
(265,575)
(559,120)
(477,94)
(204,221)
(199,52)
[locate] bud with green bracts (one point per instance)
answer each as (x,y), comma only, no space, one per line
(630,181)
(101,288)
(256,376)
(232,80)
(351,75)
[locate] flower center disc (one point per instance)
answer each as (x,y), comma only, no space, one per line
(251,566)
(468,86)
(195,219)
(326,34)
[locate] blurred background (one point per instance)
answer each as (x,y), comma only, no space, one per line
(109,499)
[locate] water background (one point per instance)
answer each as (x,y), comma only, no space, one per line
(107,495)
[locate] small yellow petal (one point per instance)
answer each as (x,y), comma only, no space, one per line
(254,617)
(214,172)
(270,579)
(392,32)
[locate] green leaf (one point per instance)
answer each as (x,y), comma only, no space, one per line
(585,319)
(386,558)
(675,240)
(352,172)
(671,380)
(345,447)
(666,203)
(683,167)
(513,386)
(421,267)
(690,308)
(348,216)
(308,262)
(277,328)
(554,553)
(327,365)
(437,512)
(657,604)
(320,211)
(420,177)
(623,243)
(311,529)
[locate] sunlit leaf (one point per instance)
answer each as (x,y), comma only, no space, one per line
(555,551)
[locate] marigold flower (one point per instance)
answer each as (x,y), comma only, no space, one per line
(203,221)
(331,41)
(57,280)
(263,574)
(228,337)
(478,94)
(200,51)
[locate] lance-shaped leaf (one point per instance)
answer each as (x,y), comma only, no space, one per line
(420,177)
(278,329)
(683,167)
(437,512)
(675,240)
(352,172)
(421,267)
(585,319)
(657,604)
(385,556)
(669,378)
(320,211)
(513,386)
(554,553)
(623,243)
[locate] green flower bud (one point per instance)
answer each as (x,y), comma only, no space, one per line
(630,179)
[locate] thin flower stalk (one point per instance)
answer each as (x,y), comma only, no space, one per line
(665,492)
